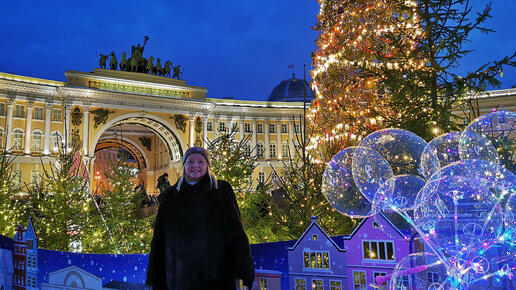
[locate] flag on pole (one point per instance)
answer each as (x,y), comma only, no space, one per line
(79,167)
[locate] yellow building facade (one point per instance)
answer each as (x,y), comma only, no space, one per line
(153,118)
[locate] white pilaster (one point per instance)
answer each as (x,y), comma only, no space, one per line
(191,124)
(279,145)
(85,130)
(267,146)
(46,140)
(28,128)
(9,123)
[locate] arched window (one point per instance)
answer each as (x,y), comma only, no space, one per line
(272,148)
(284,150)
(17,139)
(37,138)
(56,140)
(259,150)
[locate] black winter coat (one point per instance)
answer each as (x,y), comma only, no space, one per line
(199,241)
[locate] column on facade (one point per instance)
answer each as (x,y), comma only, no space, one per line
(216,126)
(255,135)
(205,130)
(9,123)
(66,132)
(291,137)
(241,124)
(85,130)
(28,128)
(46,136)
(267,146)
(279,147)
(191,135)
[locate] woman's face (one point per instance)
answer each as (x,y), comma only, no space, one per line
(195,167)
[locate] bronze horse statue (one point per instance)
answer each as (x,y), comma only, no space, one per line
(167,69)
(113,63)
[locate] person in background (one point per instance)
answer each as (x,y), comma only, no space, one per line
(199,241)
(163,184)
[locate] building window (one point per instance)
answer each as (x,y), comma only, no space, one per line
(272,128)
(17,178)
(56,140)
(284,128)
(317,260)
(222,127)
(35,177)
(234,127)
(247,150)
(314,237)
(335,285)
(247,127)
(272,150)
(261,177)
(284,150)
(18,139)
(405,281)
(433,277)
(376,274)
(378,250)
(19,111)
(259,150)
(300,284)
(297,128)
(209,126)
(57,115)
(263,284)
(2,137)
(2,109)
(38,113)
(259,128)
(317,284)
(359,279)
(37,138)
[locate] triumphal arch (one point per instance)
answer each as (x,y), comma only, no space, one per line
(153,118)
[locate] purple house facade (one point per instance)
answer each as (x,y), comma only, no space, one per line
(316,261)
(373,249)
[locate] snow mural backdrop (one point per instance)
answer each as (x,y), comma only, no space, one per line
(457,193)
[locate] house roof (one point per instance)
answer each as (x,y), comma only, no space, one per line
(396,229)
(315,224)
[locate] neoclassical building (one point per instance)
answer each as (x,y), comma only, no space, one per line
(153,118)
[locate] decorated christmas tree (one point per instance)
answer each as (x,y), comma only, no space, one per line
(393,64)
(11,215)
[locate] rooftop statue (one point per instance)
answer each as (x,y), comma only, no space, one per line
(177,72)
(113,63)
(102,60)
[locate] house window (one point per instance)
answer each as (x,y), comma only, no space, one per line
(263,284)
(314,237)
(222,127)
(35,177)
(378,250)
(260,128)
(234,127)
(38,113)
(335,285)
(284,150)
(317,260)
(261,177)
(273,150)
(405,281)
(2,109)
(284,128)
(359,279)
(300,284)
(1,137)
(375,225)
(376,274)
(18,139)
(247,150)
(259,150)
(272,128)
(297,128)
(19,111)
(57,115)
(209,126)
(56,140)
(433,277)
(37,138)
(317,284)
(247,127)
(17,178)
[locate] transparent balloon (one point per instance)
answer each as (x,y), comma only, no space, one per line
(440,152)
(499,128)
(401,148)
(420,271)
(339,188)
(370,170)
(475,146)
(462,210)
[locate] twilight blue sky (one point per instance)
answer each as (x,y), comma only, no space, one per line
(234,48)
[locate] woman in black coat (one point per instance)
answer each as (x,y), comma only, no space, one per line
(199,241)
